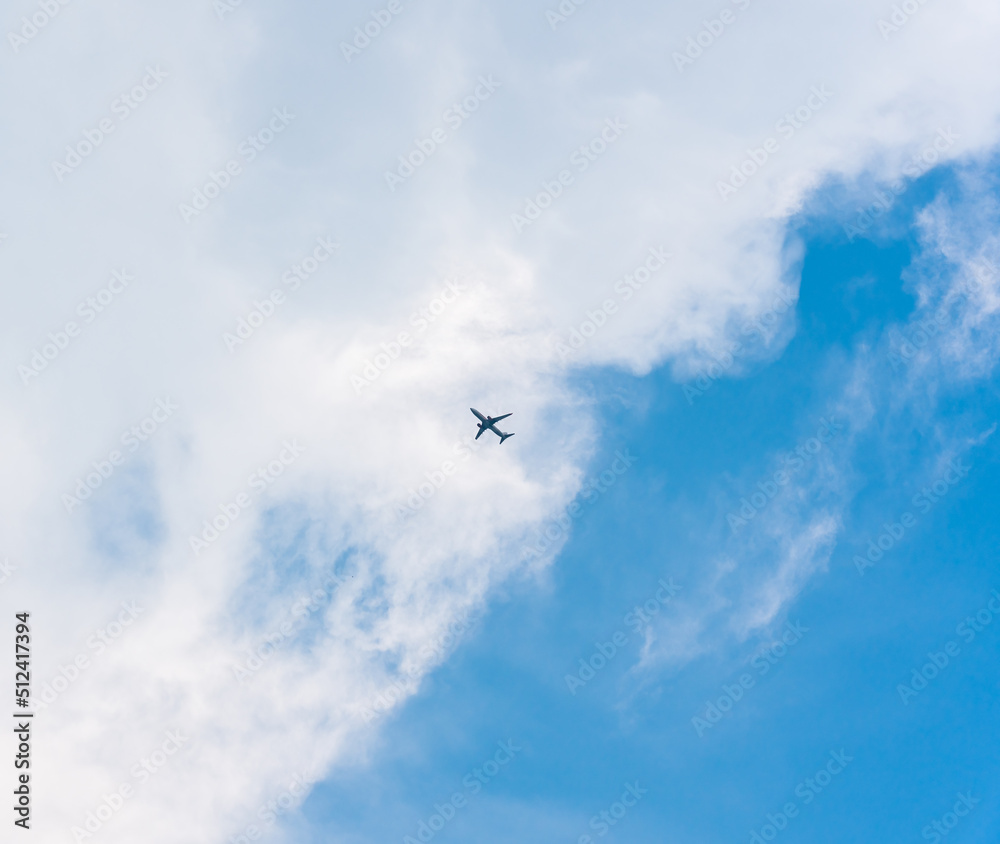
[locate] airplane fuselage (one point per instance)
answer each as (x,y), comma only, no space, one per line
(488,423)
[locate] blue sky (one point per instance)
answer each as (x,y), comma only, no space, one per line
(834,689)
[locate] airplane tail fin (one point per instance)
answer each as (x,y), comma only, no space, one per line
(504,437)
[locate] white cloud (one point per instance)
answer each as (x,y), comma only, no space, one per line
(880,395)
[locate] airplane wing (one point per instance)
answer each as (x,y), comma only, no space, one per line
(478,414)
(498,418)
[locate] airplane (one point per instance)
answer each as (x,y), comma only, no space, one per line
(488,423)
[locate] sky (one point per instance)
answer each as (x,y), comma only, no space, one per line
(733,268)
